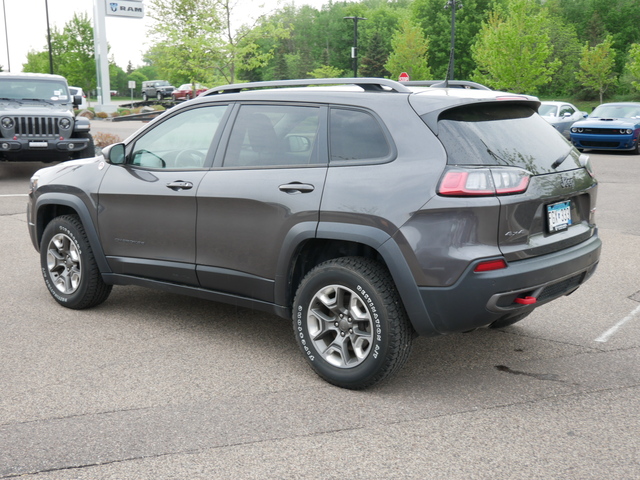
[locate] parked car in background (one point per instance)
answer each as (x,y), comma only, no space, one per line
(74,91)
(38,122)
(185,91)
(158,89)
(611,126)
(366,213)
(561,115)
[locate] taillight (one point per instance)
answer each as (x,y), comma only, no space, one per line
(475,182)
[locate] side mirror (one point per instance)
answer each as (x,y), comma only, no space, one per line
(115,154)
(77,100)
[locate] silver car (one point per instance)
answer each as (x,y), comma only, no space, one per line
(561,115)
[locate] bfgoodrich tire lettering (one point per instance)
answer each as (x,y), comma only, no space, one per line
(68,265)
(350,324)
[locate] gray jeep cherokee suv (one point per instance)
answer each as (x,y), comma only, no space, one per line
(367,212)
(37,122)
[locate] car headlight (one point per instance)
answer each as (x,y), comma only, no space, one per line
(627,131)
(33,184)
(7,122)
(65,123)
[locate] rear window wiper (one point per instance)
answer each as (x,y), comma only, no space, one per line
(559,161)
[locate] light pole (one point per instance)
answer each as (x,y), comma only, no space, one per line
(354,50)
(453,5)
(46,6)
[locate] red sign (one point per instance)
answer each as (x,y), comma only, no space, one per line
(404,77)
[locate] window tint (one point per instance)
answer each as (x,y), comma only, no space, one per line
(274,135)
(500,134)
(180,142)
(356,135)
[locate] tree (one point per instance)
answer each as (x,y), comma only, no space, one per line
(513,50)
(596,66)
(410,52)
(372,64)
(187,35)
(326,71)
(435,22)
(72,51)
(196,40)
(633,65)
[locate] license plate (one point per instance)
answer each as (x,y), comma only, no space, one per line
(559,216)
(38,144)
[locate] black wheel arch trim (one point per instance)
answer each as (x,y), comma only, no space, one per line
(373,237)
(75,203)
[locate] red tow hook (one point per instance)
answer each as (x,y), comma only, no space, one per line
(526,300)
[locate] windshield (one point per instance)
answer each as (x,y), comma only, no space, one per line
(547,110)
(33,89)
(616,111)
(501,134)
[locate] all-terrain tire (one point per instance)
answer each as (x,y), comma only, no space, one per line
(68,265)
(350,323)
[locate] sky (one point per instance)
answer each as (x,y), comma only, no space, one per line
(26,22)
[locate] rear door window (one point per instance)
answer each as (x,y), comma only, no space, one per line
(357,135)
(275,135)
(502,134)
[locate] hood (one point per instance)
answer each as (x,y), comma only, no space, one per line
(596,122)
(30,107)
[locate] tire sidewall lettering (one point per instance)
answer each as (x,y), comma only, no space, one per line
(378,325)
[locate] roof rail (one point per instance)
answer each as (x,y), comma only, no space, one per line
(367,84)
(446,84)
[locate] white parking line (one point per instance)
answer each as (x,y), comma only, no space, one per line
(16,195)
(606,335)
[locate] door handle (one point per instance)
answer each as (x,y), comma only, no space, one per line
(180,185)
(296,187)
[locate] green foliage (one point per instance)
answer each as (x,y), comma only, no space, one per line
(633,65)
(326,71)
(596,67)
(372,64)
(410,53)
(436,25)
(187,34)
(72,51)
(513,51)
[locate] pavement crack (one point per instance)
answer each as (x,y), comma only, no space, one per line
(552,377)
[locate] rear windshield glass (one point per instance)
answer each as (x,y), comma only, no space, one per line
(500,134)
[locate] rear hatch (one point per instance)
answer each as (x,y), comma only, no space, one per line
(545,187)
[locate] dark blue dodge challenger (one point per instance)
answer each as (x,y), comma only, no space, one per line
(611,126)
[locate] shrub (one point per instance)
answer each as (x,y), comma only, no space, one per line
(102,115)
(86,113)
(102,140)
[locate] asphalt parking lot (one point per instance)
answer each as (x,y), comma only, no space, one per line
(157,386)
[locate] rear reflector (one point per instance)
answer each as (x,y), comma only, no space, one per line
(490,265)
(477,182)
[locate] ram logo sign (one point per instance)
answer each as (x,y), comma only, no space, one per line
(125,8)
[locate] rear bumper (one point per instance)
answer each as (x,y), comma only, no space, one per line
(479,299)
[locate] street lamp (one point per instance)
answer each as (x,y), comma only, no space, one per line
(46,6)
(453,5)
(354,49)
